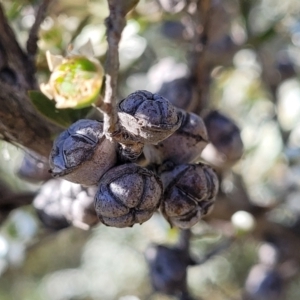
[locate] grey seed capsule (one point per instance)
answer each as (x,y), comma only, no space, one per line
(149,117)
(82,154)
(183,146)
(49,206)
(127,194)
(226,146)
(61,203)
(34,168)
(81,212)
(189,193)
(168,269)
(180,92)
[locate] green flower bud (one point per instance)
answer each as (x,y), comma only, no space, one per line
(75,81)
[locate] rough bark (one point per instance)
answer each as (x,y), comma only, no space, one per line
(20,123)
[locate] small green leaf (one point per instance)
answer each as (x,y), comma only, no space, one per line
(61,117)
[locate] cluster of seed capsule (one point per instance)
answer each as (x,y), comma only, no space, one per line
(169,178)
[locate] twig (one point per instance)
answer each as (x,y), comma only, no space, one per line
(184,245)
(12,202)
(198,63)
(31,45)
(85,21)
(10,49)
(184,240)
(15,201)
(20,124)
(115,24)
(223,246)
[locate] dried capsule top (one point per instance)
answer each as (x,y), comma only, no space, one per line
(199,181)
(150,117)
(75,145)
(189,193)
(127,194)
(191,136)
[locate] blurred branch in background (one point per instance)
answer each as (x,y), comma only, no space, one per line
(31,44)
(10,200)
(202,18)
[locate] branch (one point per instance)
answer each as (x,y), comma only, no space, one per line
(199,68)
(115,24)
(224,245)
(19,122)
(31,45)
(12,57)
(184,240)
(12,202)
(15,201)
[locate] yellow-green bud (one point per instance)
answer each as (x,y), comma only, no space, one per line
(75,81)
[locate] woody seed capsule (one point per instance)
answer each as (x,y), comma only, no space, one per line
(48,205)
(150,118)
(82,154)
(181,93)
(226,146)
(34,168)
(127,194)
(189,193)
(183,146)
(168,268)
(80,210)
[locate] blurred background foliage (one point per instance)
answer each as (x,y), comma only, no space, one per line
(254,62)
